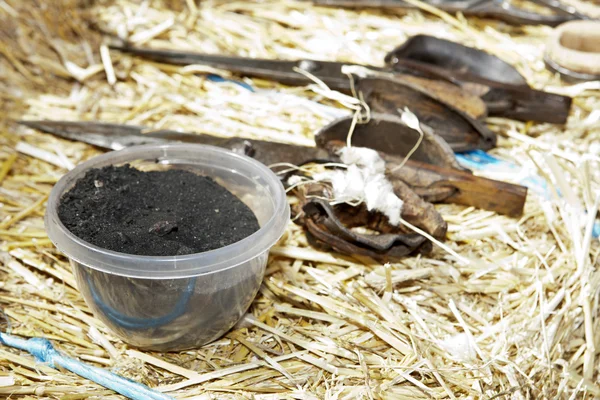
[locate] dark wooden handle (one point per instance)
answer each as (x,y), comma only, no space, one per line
(464,188)
(516,101)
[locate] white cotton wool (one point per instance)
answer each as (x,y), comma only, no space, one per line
(364,181)
(362,157)
(379,195)
(348,185)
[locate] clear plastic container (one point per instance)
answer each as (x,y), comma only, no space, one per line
(176,302)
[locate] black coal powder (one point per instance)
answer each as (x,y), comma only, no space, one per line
(154,213)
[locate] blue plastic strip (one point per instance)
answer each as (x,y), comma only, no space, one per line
(217,78)
(44,352)
(478,159)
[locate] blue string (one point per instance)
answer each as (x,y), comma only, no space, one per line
(144,323)
(44,352)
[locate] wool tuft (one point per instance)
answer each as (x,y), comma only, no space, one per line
(364,181)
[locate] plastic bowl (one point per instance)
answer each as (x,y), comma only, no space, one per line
(177,302)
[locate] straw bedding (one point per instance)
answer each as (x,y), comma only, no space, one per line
(514,317)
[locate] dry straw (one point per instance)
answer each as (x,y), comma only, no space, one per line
(518,321)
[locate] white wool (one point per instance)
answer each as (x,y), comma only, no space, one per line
(362,157)
(348,185)
(364,180)
(379,195)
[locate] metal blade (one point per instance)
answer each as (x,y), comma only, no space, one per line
(277,70)
(106,136)
(117,137)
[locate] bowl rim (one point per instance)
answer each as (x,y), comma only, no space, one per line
(169,267)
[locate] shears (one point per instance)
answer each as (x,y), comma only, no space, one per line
(452,112)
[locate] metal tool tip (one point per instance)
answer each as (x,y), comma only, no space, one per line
(30,123)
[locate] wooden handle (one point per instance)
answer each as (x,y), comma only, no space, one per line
(463,187)
(509,100)
(487,194)
(448,93)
